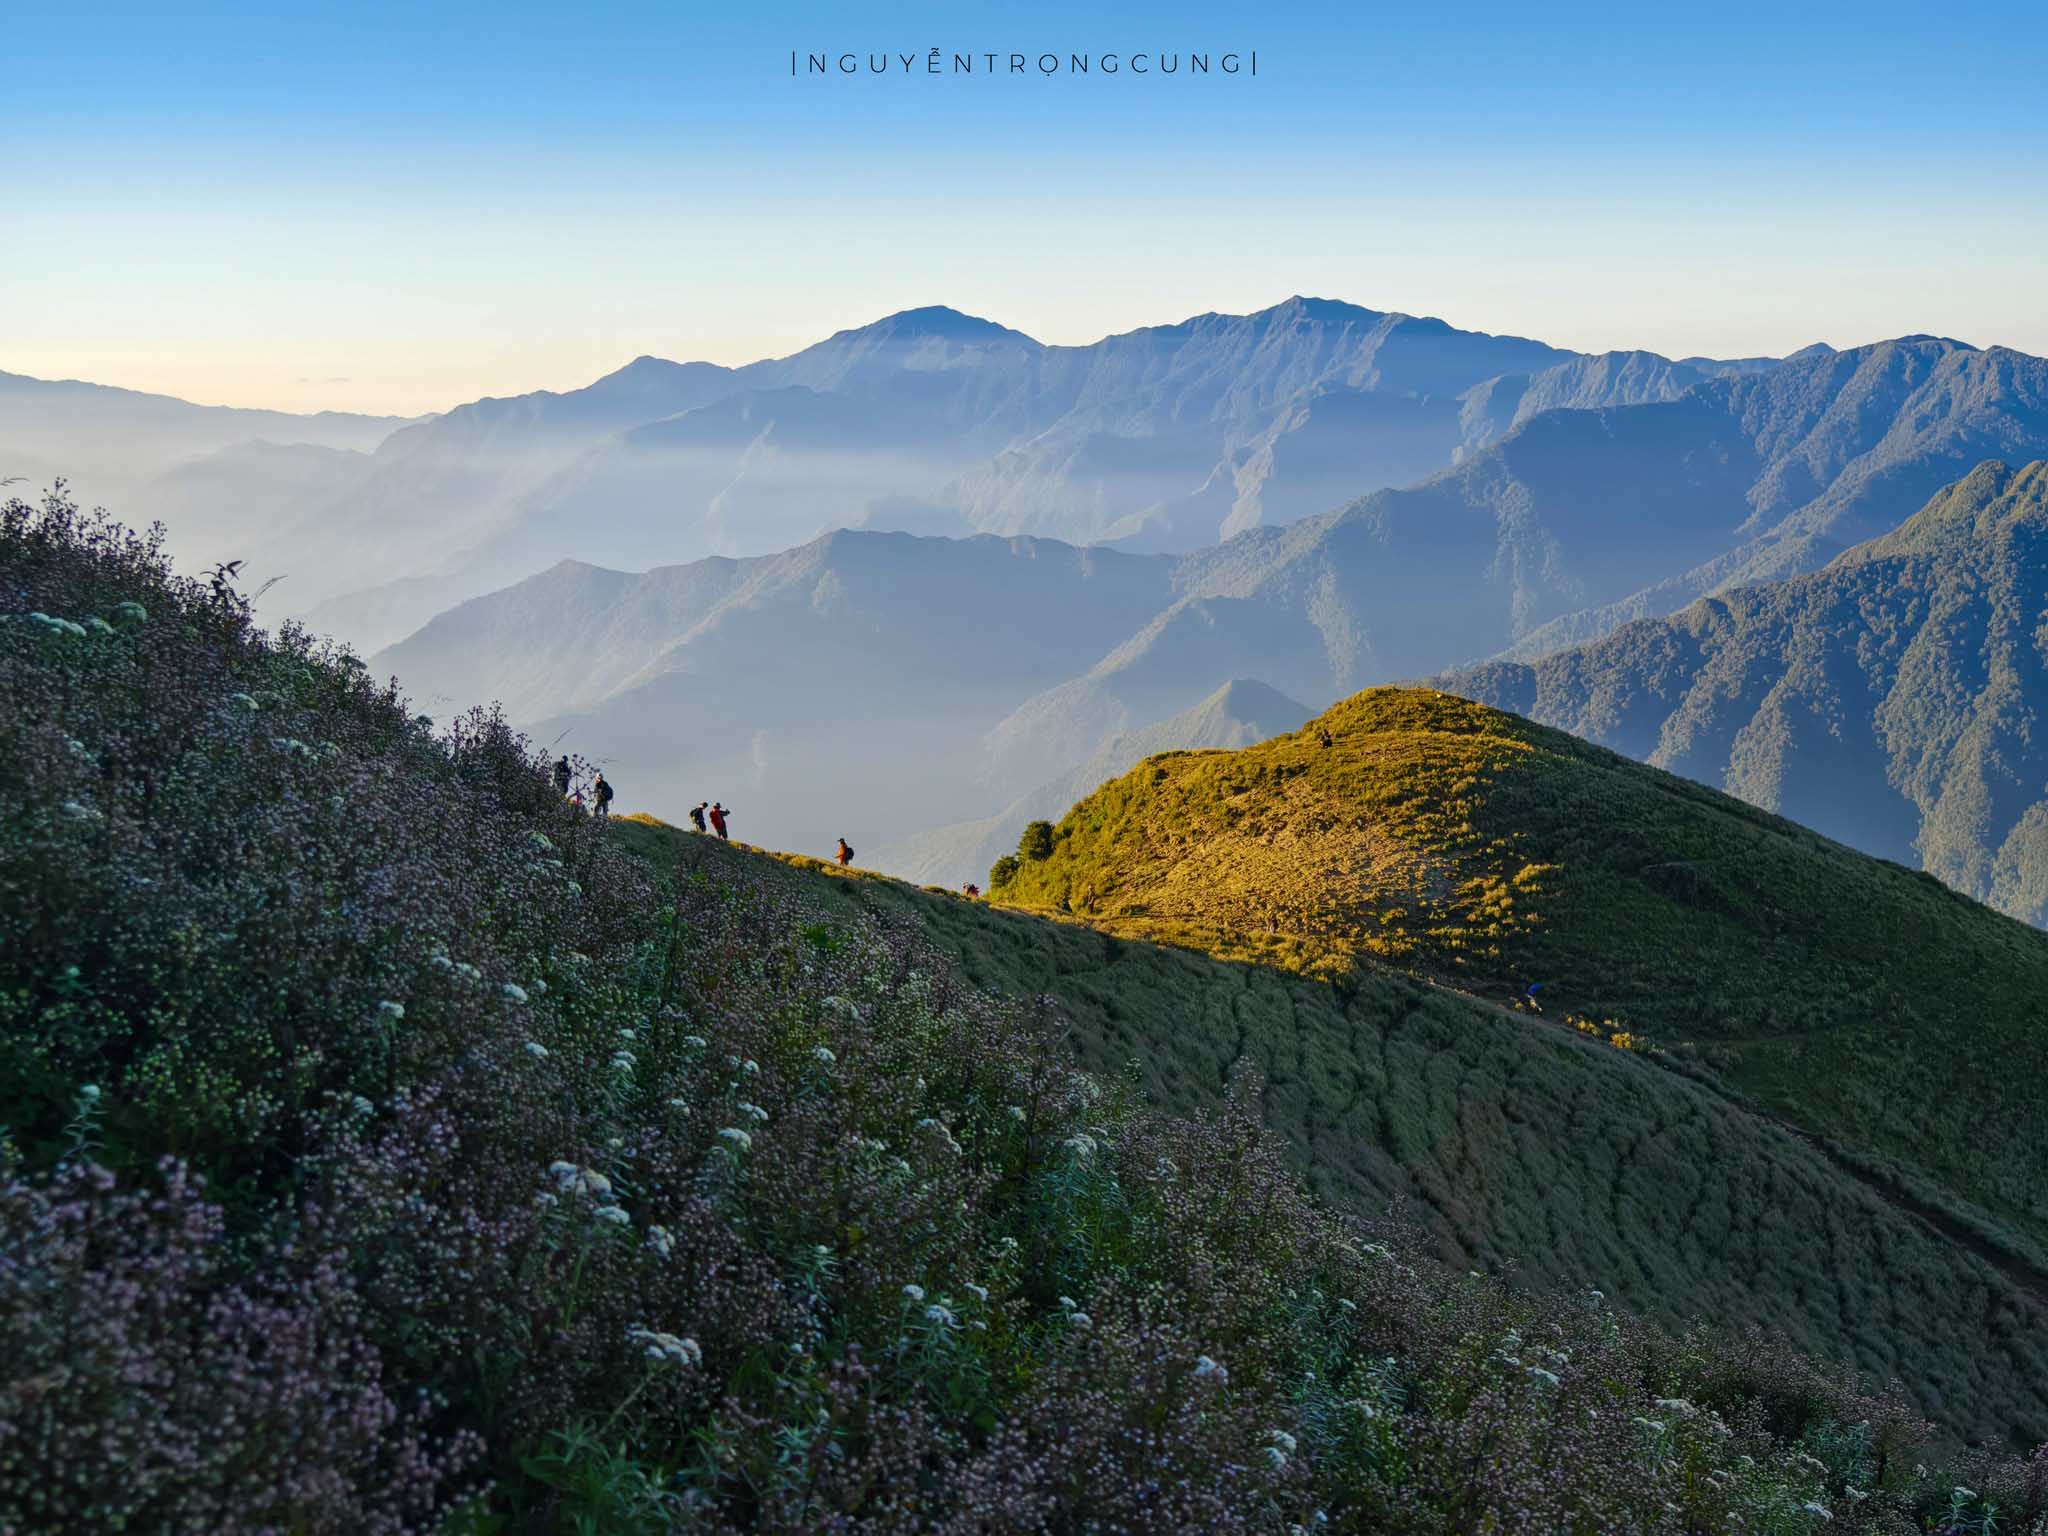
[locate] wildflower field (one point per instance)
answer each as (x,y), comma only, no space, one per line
(388,1149)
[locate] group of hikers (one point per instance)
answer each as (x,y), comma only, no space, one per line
(705,815)
(600,801)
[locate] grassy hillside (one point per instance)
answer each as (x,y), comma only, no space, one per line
(385,1150)
(1867,1004)
(1507,1143)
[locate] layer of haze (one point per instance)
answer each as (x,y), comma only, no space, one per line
(395,208)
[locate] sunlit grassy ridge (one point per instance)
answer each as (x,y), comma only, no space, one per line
(1865,1002)
(1509,1142)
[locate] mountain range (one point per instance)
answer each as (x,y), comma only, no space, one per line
(1571,510)
(1165,438)
(924,689)
(222,479)
(1891,699)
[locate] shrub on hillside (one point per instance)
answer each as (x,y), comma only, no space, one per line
(1036,843)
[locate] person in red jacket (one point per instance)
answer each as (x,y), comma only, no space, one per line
(718,820)
(845,853)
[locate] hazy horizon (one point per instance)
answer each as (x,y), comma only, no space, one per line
(393,211)
(740,359)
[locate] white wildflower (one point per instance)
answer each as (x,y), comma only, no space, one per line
(943,1316)
(514,992)
(1277,1457)
(696,1042)
(622,1061)
(978,1292)
(536,1050)
(1080,1319)
(1548,1378)
(661,1240)
(914,1292)
(752,1111)
(824,1055)
(667,1347)
(576,1179)
(1818,1510)
(1204,1366)
(680,1104)
(614,1214)
(736,1138)
(1281,1438)
(73,811)
(1017,1113)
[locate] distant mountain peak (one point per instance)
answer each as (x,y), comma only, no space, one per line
(934,322)
(1321,310)
(648,372)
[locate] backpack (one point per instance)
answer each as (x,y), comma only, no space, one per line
(604,794)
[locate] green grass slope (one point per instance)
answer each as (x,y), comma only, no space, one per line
(1512,1143)
(1865,1003)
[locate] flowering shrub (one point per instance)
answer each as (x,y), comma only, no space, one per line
(385,1150)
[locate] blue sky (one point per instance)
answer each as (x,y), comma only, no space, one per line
(388,207)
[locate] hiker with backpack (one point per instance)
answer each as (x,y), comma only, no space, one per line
(718,820)
(563,775)
(603,795)
(697,814)
(845,853)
